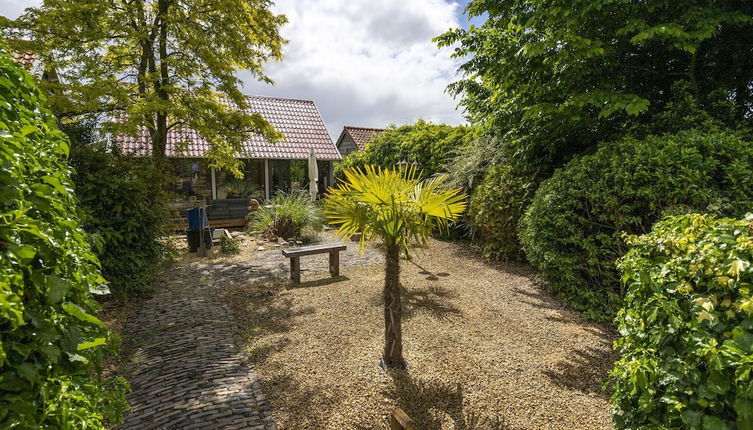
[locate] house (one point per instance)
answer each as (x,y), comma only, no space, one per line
(355,138)
(31,62)
(268,167)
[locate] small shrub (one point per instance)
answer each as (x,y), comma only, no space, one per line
(229,246)
(687,327)
(124,206)
(572,231)
(51,343)
(289,215)
(495,210)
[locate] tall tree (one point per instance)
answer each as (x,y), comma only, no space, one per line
(155,65)
(400,209)
(560,75)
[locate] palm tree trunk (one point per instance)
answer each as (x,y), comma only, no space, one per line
(393,310)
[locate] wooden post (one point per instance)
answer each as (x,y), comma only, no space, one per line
(334,263)
(266,181)
(295,269)
(214,184)
(399,420)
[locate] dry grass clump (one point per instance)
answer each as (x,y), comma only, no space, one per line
(486,349)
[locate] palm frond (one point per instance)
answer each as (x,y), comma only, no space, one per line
(393,204)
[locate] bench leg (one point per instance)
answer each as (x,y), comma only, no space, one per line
(334,263)
(295,269)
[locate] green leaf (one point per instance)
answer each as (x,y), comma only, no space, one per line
(56,289)
(744,409)
(23,252)
(91,344)
(76,311)
(27,372)
(714,423)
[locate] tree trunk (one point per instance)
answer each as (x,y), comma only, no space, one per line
(159,138)
(393,310)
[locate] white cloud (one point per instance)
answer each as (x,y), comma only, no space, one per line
(366,63)
(13,8)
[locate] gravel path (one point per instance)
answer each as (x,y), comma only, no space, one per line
(487,348)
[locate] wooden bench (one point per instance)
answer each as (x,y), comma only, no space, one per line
(295,254)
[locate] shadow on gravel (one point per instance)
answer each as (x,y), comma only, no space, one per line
(584,370)
(435,301)
(430,403)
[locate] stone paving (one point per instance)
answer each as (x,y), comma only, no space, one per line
(185,360)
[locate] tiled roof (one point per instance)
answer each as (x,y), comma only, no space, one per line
(298,120)
(25,59)
(362,135)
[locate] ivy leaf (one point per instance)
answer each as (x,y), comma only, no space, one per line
(27,371)
(713,423)
(91,344)
(744,409)
(24,252)
(57,289)
(76,311)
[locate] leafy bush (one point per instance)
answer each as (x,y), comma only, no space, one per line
(495,210)
(50,340)
(229,246)
(289,215)
(572,232)
(124,207)
(687,327)
(429,145)
(471,162)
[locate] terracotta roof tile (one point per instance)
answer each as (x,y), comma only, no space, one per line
(25,59)
(298,120)
(362,135)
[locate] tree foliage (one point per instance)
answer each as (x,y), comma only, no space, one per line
(398,207)
(430,146)
(50,340)
(687,327)
(573,230)
(158,64)
(124,208)
(559,76)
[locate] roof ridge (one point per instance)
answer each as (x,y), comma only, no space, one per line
(277,98)
(364,128)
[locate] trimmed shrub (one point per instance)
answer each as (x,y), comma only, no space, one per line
(687,327)
(124,207)
(289,215)
(50,340)
(495,210)
(572,231)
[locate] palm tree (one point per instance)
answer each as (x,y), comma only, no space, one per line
(401,209)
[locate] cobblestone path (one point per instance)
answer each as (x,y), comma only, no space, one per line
(185,362)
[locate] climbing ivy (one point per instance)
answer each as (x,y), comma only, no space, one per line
(50,339)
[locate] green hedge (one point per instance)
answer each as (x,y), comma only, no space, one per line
(124,207)
(429,145)
(572,231)
(50,340)
(687,327)
(496,206)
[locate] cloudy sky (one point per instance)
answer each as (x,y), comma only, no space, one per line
(363,62)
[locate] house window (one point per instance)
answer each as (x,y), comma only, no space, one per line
(251,185)
(192,178)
